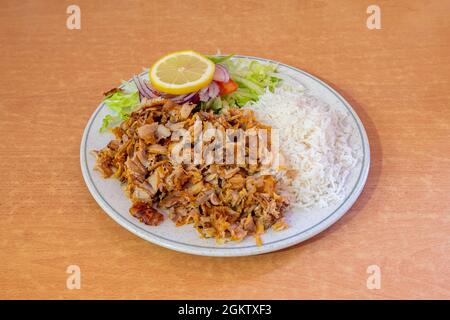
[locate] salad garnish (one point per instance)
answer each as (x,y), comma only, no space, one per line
(122,101)
(233,83)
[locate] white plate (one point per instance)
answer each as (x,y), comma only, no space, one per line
(303,224)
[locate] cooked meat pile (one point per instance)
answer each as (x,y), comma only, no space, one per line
(225,201)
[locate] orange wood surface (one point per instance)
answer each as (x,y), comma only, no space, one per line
(397,79)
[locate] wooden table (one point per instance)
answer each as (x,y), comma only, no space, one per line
(397,79)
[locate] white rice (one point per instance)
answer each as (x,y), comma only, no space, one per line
(316,142)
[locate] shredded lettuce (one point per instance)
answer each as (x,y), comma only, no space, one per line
(253,79)
(122,103)
(253,75)
(240,97)
(216,104)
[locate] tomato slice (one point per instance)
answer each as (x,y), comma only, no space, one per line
(227,87)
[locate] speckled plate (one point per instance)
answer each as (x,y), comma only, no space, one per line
(303,224)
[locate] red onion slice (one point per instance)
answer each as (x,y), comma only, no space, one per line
(203,94)
(189,97)
(221,74)
(147,91)
(138,86)
(209,92)
(184,98)
(145,88)
(150,92)
(155,92)
(178,98)
(213,90)
(195,99)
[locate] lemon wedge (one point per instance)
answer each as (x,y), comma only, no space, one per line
(182,72)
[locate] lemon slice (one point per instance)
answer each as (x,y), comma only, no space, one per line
(182,72)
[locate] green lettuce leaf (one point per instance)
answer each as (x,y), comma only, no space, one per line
(122,103)
(253,79)
(253,75)
(220,59)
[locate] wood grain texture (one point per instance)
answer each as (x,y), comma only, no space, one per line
(397,79)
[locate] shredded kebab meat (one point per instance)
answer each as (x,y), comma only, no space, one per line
(224,201)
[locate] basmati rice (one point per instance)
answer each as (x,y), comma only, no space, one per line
(316,143)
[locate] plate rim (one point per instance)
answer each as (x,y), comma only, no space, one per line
(237,251)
